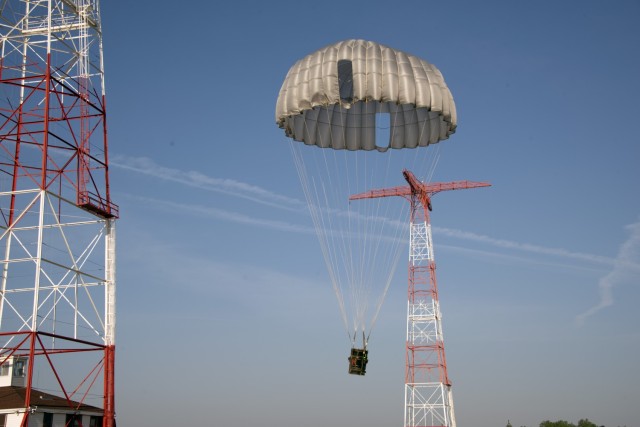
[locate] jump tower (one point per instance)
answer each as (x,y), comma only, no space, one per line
(428,400)
(57,220)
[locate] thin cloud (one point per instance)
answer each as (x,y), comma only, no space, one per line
(225,215)
(542,250)
(146,166)
(521,258)
(625,268)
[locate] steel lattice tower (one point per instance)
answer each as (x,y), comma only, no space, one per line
(57,220)
(428,398)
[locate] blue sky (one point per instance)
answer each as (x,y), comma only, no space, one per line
(226,315)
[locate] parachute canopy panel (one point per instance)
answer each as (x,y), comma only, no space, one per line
(333,98)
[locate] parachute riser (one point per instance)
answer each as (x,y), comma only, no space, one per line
(365,340)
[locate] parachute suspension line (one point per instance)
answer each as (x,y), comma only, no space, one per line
(431,157)
(321,232)
(355,241)
(365,340)
(341,238)
(371,236)
(334,239)
(353,247)
(358,225)
(355,238)
(397,241)
(359,281)
(434,163)
(394,265)
(435,157)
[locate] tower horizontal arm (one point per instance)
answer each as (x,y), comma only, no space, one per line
(403,191)
(429,189)
(437,187)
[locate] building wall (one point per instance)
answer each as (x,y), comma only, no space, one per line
(36,419)
(9,375)
(14,420)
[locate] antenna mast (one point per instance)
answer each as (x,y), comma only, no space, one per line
(428,398)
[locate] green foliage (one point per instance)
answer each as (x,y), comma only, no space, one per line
(561,423)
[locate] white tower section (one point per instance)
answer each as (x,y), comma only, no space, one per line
(428,397)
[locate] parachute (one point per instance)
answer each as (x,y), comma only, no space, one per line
(356,114)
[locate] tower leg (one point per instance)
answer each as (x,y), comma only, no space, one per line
(109,386)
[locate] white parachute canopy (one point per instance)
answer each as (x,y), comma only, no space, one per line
(344,107)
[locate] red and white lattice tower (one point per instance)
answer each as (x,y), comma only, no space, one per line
(57,220)
(428,399)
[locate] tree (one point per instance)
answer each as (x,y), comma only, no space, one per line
(586,423)
(559,423)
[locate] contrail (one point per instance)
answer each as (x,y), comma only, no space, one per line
(146,166)
(224,215)
(543,250)
(625,268)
